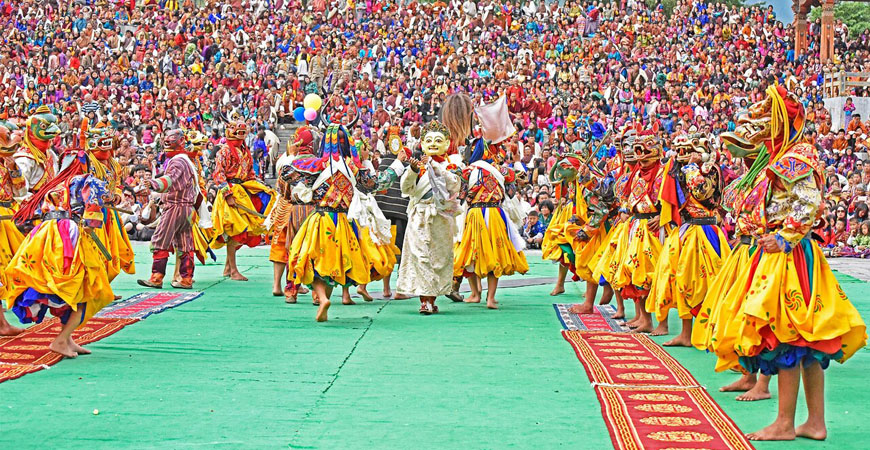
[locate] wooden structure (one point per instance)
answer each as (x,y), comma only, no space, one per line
(801,9)
(841,83)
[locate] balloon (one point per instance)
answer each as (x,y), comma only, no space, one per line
(310,114)
(299,114)
(312,101)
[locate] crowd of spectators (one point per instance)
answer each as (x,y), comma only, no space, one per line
(570,69)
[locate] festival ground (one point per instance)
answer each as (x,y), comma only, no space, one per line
(237,368)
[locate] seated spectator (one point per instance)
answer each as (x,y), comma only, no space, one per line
(546,209)
(533,230)
(860,241)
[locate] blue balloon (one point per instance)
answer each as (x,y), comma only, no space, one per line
(299,114)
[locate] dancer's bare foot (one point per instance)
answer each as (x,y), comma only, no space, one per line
(661,329)
(277,292)
(8,330)
(558,290)
(580,308)
(777,431)
(386,294)
(78,348)
(401,297)
(643,326)
(227,271)
(364,293)
(290,298)
(812,431)
(237,276)
(619,314)
(758,392)
(741,385)
(680,341)
(321,311)
(63,347)
(118,297)
(491,304)
(472,299)
(302,290)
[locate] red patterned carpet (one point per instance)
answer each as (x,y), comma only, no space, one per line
(28,352)
(648,399)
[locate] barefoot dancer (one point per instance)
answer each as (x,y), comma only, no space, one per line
(35,160)
(610,253)
(12,186)
(242,203)
(432,188)
(589,233)
(792,317)
(100,147)
(326,252)
(181,196)
(374,231)
(491,245)
(288,214)
(692,256)
(732,277)
(637,268)
(70,279)
(556,245)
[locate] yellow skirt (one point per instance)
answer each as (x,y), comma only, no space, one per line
(638,265)
(10,237)
(792,299)
(381,258)
(710,332)
(689,261)
(588,254)
(117,242)
(230,222)
(486,248)
(202,239)
(610,253)
(326,247)
(55,270)
(555,236)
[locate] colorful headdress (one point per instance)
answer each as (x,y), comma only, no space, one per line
(336,144)
(647,145)
(236,130)
(437,127)
(99,142)
(304,138)
(10,137)
(197,141)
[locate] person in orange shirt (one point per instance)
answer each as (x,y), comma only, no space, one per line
(856,126)
(840,141)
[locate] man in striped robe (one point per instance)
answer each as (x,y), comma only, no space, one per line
(174,231)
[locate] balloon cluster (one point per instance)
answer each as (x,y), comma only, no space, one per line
(308,112)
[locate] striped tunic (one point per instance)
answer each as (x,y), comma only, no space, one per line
(174,230)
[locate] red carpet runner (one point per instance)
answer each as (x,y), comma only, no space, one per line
(648,399)
(28,352)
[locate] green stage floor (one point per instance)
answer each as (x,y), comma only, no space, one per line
(237,368)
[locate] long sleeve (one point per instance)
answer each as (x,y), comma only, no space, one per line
(409,182)
(380,181)
(31,171)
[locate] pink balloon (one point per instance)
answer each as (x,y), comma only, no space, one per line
(310,114)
